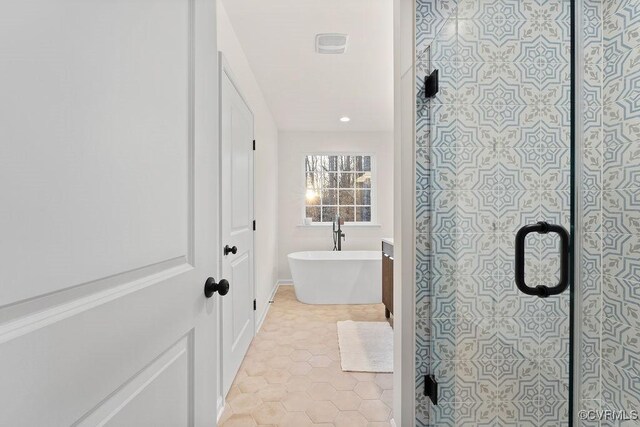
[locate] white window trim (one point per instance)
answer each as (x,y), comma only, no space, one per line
(374,188)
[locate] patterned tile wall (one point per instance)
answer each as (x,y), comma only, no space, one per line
(619,225)
(590,275)
(493,154)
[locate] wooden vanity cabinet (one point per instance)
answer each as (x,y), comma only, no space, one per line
(387,278)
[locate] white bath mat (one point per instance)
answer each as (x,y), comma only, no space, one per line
(365,346)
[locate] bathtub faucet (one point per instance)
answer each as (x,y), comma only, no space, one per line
(338,235)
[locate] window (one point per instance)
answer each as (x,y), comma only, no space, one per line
(338,184)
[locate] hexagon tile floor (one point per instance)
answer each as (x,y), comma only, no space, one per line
(291,375)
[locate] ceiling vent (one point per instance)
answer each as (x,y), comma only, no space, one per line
(331,43)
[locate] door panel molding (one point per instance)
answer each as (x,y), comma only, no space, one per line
(34,319)
(182,351)
(104,274)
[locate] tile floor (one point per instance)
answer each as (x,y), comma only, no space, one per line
(291,375)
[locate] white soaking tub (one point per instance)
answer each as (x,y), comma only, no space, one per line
(332,277)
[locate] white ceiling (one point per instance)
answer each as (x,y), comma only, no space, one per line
(308,91)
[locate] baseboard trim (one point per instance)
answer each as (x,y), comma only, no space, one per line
(220,409)
(266,311)
(285,282)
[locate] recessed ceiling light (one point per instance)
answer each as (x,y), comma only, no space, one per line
(345,119)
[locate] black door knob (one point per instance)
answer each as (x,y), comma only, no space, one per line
(232,250)
(211,287)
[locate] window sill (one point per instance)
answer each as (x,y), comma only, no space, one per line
(328,225)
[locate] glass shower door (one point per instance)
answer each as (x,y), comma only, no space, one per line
(494,174)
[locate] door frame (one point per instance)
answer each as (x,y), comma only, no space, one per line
(404,377)
(225,68)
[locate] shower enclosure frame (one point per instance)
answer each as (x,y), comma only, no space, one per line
(575,209)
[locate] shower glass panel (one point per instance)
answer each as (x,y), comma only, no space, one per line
(494,156)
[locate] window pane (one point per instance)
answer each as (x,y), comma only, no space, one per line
(347,197)
(328,213)
(363,197)
(329,197)
(312,197)
(314,213)
(309,163)
(347,163)
(331,163)
(330,180)
(347,213)
(347,180)
(366,163)
(363,214)
(313,180)
(363,180)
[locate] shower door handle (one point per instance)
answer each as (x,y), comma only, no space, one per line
(542,291)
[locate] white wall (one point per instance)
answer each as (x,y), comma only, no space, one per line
(266,163)
(293,146)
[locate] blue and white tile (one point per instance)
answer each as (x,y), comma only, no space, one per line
(621,256)
(518,169)
(518,379)
(592,159)
(491,41)
(591,256)
(554,83)
(445,125)
(591,295)
(621,124)
(444,47)
(591,210)
(475,211)
(547,10)
(621,211)
(476,297)
(445,212)
(621,346)
(622,302)
(592,94)
(431,16)
(555,207)
(620,388)
(476,168)
(554,378)
(445,160)
(554,413)
(520,335)
(517,208)
(622,77)
(590,329)
(445,289)
(622,22)
(621,167)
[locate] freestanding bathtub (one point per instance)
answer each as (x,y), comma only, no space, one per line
(332,277)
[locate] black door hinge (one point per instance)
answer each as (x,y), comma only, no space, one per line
(254,145)
(431,85)
(254,225)
(431,388)
(255,306)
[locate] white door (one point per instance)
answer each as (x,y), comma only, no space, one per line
(108,212)
(236,126)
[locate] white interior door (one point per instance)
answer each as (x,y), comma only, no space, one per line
(108,212)
(236,126)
